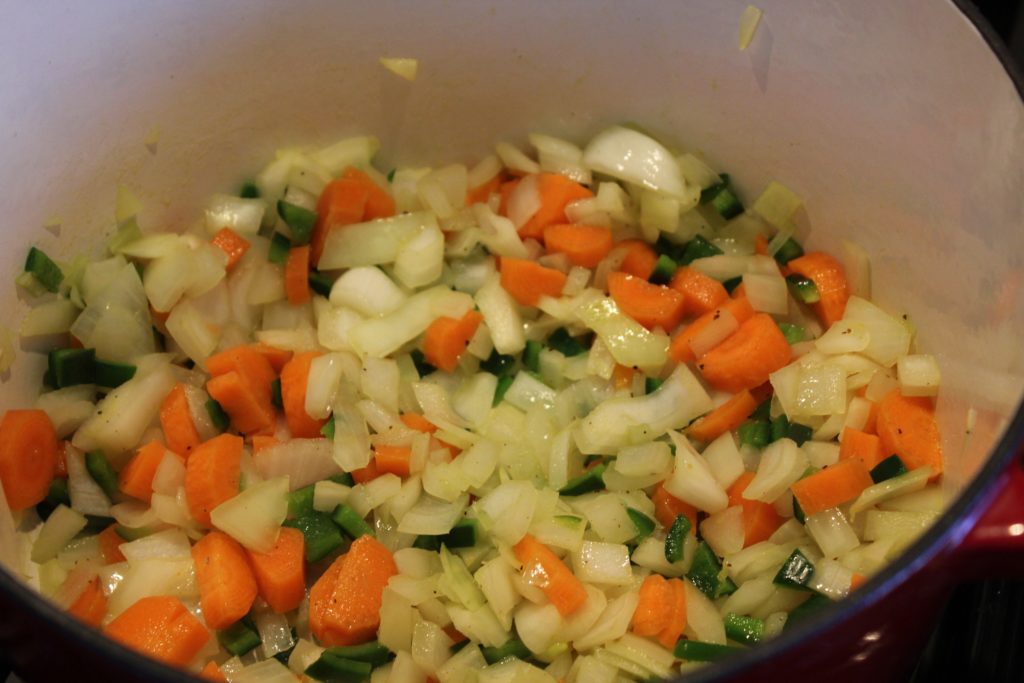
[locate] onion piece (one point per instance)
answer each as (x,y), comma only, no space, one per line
(123,416)
(53,317)
(515,160)
(301,461)
(918,375)
(60,527)
(244,216)
(254,516)
(612,624)
(379,337)
(501,317)
(374,242)
(603,563)
(692,480)
(628,341)
(355,151)
(86,495)
(621,421)
(832,532)
(629,155)
(782,463)
(367,290)
(68,408)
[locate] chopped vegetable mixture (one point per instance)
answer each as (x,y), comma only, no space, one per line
(581,415)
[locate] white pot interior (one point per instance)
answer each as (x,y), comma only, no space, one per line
(894,120)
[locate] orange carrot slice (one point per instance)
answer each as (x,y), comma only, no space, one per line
(232,244)
(296,275)
(906,426)
(585,245)
(392,459)
(746,358)
(294,380)
(648,304)
(212,475)
(342,202)
(136,478)
(724,418)
(653,609)
(667,507)
(91,606)
(28,457)
(527,281)
(680,350)
(677,621)
(447,338)
(160,627)
(176,421)
(858,444)
(832,486)
(344,604)
(110,545)
(829,277)
(702,293)
(639,259)
(281,573)
(227,586)
(543,568)
(555,192)
(760,520)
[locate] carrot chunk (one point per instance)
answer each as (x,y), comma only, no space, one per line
(241,384)
(227,586)
(680,350)
(585,245)
(212,475)
(555,192)
(294,381)
(481,193)
(296,275)
(648,304)
(91,606)
(545,569)
(447,338)
(136,478)
(760,520)
(746,358)
(379,204)
(702,293)
(110,545)
(212,672)
(176,421)
(829,277)
(281,573)
(160,627)
(232,244)
(344,603)
(906,426)
(28,457)
(858,444)
(832,486)
(667,507)
(392,459)
(527,281)
(677,621)
(342,202)
(653,609)
(724,418)
(639,259)
(275,356)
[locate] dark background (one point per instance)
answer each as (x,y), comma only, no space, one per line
(981,634)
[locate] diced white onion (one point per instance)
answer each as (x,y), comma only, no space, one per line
(782,463)
(626,339)
(724,460)
(603,563)
(692,480)
(244,216)
(373,242)
(918,375)
(620,421)
(832,532)
(515,160)
(254,516)
(889,338)
(324,377)
(356,151)
(612,624)
(60,527)
(52,317)
(714,333)
(629,155)
(724,531)
(68,408)
(767,293)
(86,495)
(501,317)
(367,290)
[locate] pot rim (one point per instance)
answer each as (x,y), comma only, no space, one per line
(946,533)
